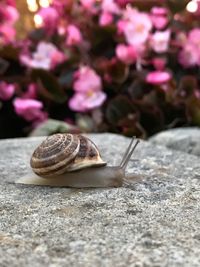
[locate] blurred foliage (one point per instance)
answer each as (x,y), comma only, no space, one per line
(133,106)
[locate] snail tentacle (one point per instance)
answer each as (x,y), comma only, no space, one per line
(129,153)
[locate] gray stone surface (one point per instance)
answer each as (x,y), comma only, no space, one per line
(183,139)
(151,223)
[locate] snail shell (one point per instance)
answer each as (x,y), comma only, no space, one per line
(62,153)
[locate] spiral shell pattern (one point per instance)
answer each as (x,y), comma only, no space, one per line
(61,153)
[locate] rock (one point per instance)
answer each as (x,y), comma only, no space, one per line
(151,222)
(183,139)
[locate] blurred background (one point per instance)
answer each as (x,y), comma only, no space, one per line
(124,66)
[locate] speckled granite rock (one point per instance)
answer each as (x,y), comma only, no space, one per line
(183,139)
(154,223)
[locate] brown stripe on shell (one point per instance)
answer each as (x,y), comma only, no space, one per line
(63,148)
(87,156)
(53,144)
(53,170)
(60,145)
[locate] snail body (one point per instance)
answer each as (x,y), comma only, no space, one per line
(74,161)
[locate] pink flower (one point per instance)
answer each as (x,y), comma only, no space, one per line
(62,6)
(159,22)
(160,41)
(122,3)
(89,5)
(6,90)
(110,6)
(159,63)
(84,102)
(88,87)
(159,17)
(105,19)
(159,11)
(12,14)
(74,36)
(8,14)
(126,53)
(129,13)
(11,3)
(189,56)
(57,57)
(158,77)
(49,17)
(46,56)
(7,34)
(194,37)
(138,27)
(87,79)
(29,109)
(121,25)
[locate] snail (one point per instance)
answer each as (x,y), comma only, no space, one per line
(73,160)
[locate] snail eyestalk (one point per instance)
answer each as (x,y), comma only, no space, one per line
(129,153)
(127,150)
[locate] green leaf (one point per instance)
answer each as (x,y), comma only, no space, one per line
(188,84)
(9,52)
(177,5)
(37,35)
(66,78)
(193,110)
(119,72)
(49,85)
(4,64)
(146,5)
(53,126)
(85,123)
(119,108)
